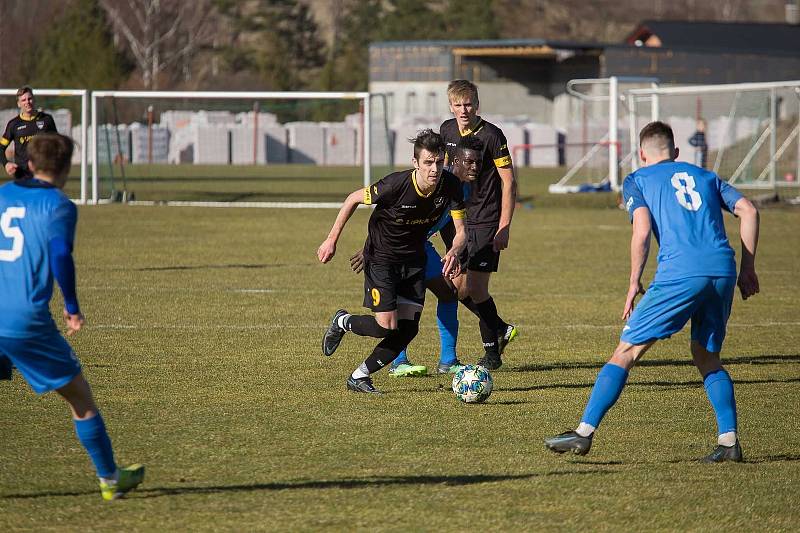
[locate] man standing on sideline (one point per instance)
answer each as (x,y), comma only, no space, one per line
(407,205)
(490,207)
(20,130)
(37,222)
(695,279)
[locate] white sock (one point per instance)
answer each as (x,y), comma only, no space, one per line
(584,429)
(342,320)
(727,439)
(361,372)
(111,480)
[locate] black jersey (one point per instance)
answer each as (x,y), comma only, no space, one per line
(20,131)
(486,193)
(399,225)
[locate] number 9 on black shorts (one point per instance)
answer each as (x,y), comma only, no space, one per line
(387,285)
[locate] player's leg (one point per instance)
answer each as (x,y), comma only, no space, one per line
(662,312)
(388,349)
(379,281)
(447,322)
(92,434)
(606,391)
(478,288)
(404,296)
(708,333)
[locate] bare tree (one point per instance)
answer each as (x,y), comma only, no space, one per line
(161,34)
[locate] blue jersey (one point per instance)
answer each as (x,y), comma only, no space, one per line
(446,216)
(685,204)
(32,214)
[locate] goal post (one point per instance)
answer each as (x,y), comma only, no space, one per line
(750,131)
(247,148)
(593,115)
(67,106)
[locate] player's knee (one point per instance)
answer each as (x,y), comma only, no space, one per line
(385,325)
(626,354)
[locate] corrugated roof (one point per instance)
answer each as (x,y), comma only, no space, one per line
(730,36)
(495,43)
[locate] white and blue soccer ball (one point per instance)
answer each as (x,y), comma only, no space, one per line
(472,384)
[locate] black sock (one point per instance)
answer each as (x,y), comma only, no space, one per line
(389,348)
(502,326)
(488,324)
(366,326)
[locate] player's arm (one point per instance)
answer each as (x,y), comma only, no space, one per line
(640,248)
(508,183)
(748,230)
(451,267)
(50,124)
(63,266)
(327,249)
(5,140)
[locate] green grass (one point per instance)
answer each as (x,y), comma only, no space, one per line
(202,346)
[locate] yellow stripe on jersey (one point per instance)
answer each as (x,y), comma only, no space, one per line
(367,196)
(458,214)
(504,161)
(4,141)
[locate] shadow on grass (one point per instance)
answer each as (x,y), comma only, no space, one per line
(660,384)
(777,458)
(727,361)
(210,267)
(354,483)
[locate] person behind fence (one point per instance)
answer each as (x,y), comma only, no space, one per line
(698,140)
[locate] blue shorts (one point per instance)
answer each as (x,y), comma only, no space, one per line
(667,306)
(47,361)
(433,265)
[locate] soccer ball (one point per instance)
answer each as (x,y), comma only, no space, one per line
(472,384)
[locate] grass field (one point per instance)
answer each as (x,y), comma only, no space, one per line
(202,345)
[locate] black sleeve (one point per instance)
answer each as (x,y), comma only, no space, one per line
(448,233)
(383,192)
(498,147)
(50,124)
(5,140)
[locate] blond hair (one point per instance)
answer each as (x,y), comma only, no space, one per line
(460,90)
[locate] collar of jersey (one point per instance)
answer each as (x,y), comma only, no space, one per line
(29,117)
(478,126)
(34,183)
(416,188)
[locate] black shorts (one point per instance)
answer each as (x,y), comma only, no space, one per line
(479,254)
(387,285)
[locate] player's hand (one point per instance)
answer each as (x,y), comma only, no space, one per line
(634,290)
(501,239)
(748,283)
(451,267)
(11,168)
(326,250)
(357,262)
(74,322)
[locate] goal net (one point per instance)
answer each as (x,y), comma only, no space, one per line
(70,111)
(748,133)
(255,149)
(593,116)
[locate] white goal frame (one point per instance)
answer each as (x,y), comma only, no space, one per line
(767,177)
(364,97)
(610,141)
(84,94)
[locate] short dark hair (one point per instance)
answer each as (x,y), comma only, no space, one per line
(24,89)
(658,132)
(469,142)
(51,153)
(427,140)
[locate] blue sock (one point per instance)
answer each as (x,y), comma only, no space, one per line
(447,319)
(92,434)
(719,389)
(605,393)
(401,359)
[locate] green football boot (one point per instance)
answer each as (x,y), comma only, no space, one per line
(129,479)
(406,370)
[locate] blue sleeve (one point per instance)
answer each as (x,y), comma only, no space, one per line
(729,194)
(64,271)
(632,196)
(61,237)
